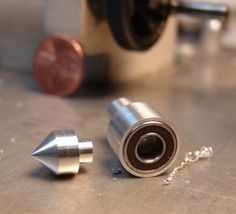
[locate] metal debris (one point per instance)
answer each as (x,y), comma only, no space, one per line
(116,171)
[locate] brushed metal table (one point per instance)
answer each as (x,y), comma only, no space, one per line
(198,97)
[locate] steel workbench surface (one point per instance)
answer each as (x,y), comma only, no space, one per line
(198,98)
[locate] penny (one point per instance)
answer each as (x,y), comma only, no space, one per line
(59,65)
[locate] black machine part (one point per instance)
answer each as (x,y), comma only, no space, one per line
(138,24)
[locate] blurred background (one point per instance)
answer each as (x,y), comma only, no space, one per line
(24,24)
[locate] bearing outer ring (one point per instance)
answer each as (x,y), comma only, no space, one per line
(159,166)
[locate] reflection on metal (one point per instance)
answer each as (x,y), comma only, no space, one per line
(200,8)
(211,37)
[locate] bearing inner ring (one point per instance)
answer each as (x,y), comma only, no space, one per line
(150,148)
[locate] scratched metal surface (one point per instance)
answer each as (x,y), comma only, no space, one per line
(199,99)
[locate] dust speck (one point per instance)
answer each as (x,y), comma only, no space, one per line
(115,179)
(99,194)
(116,171)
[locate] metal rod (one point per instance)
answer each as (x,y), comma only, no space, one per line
(200,8)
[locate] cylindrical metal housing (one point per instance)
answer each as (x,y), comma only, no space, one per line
(145,143)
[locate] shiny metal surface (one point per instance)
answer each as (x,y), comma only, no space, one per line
(130,119)
(62,152)
(198,96)
(200,8)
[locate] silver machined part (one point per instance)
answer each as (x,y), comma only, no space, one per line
(144,142)
(62,152)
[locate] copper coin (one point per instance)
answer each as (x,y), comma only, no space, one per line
(59,65)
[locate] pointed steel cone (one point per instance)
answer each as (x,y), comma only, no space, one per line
(62,152)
